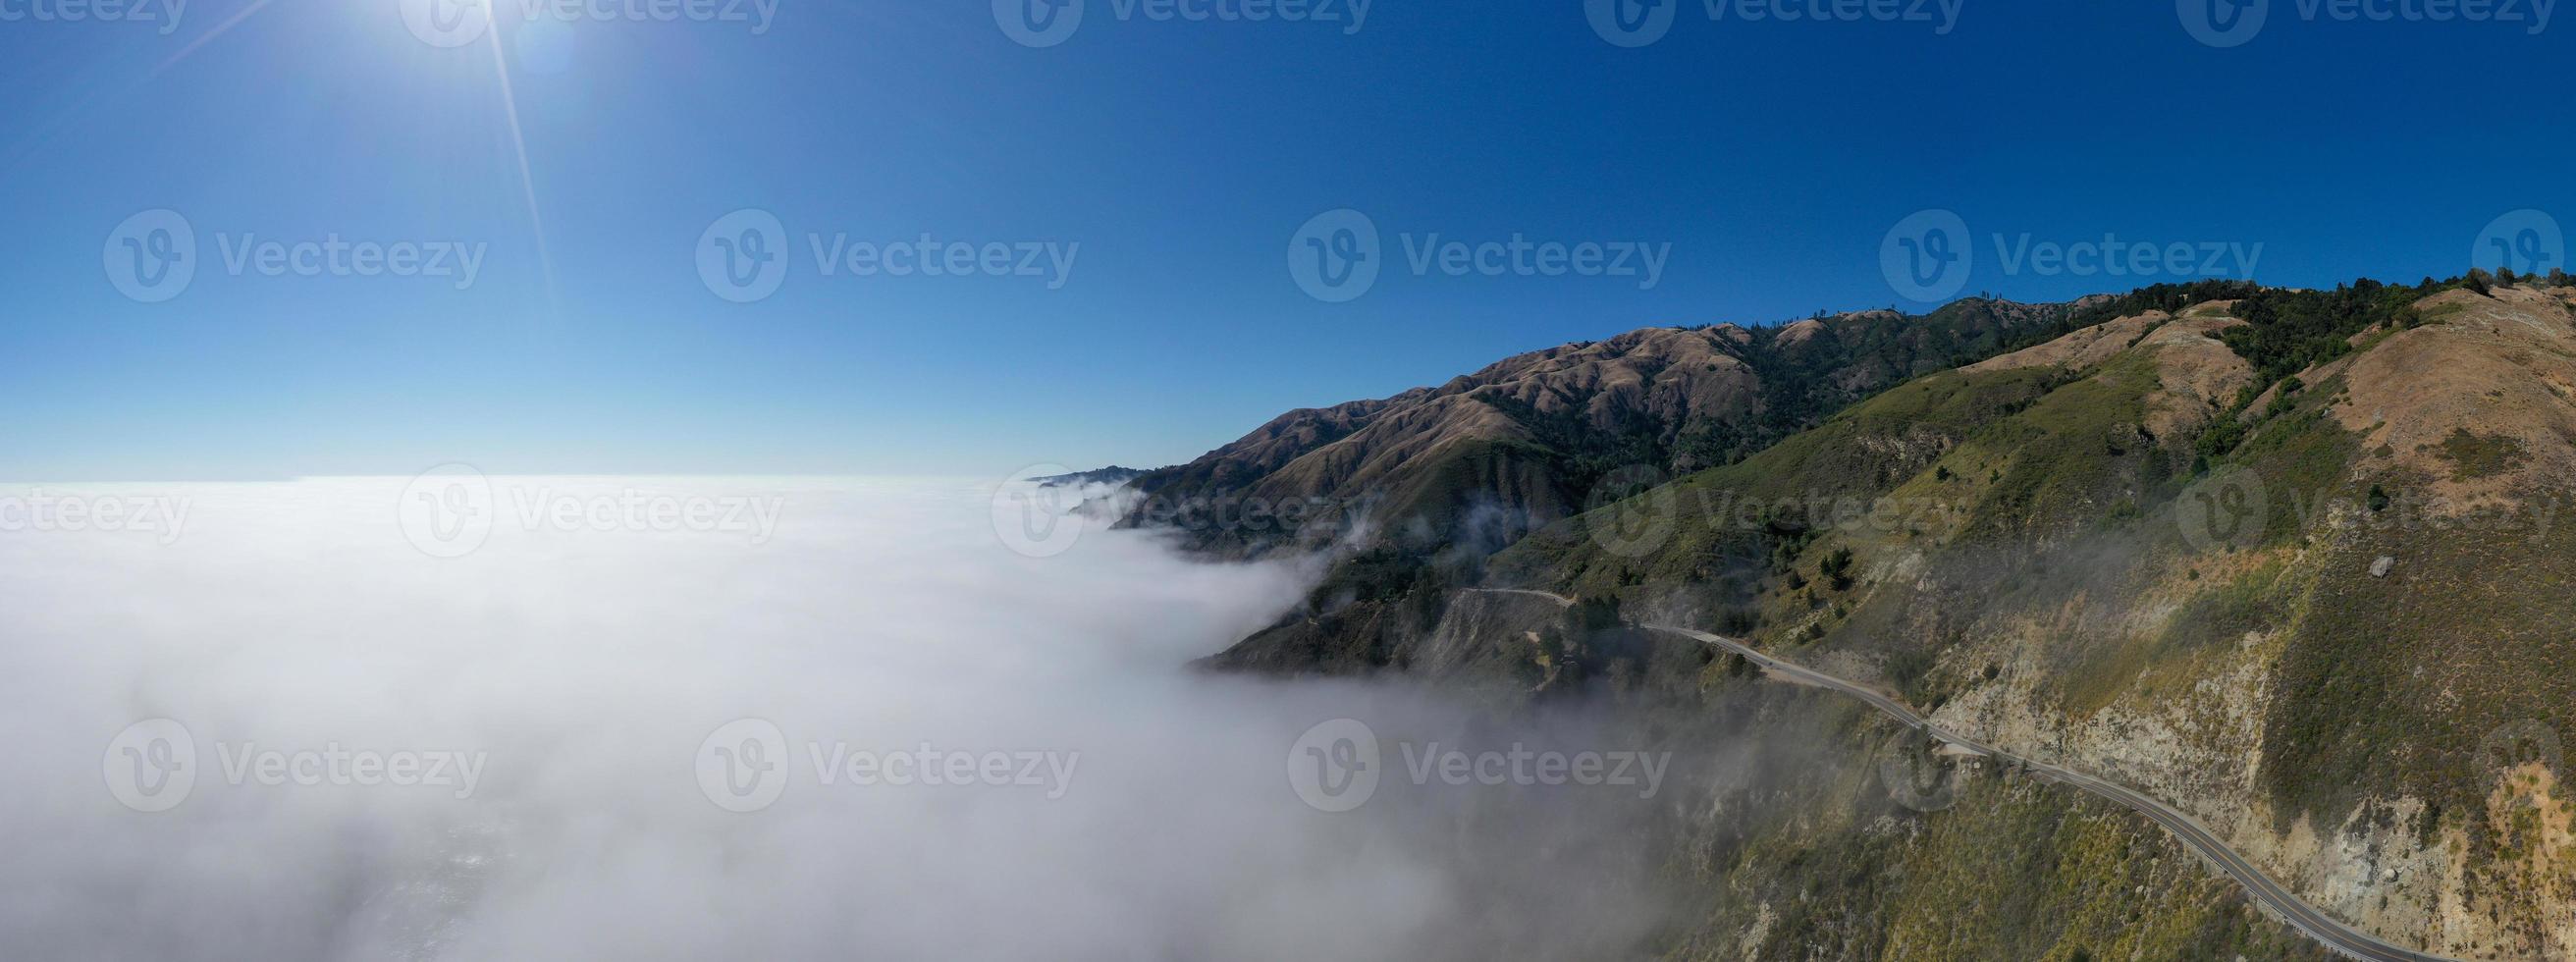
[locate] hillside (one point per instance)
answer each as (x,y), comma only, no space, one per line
(2279,559)
(1491,455)
(2300,600)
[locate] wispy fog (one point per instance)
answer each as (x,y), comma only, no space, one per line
(576,663)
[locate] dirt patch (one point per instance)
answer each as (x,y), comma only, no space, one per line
(2083,349)
(2479,403)
(1799,333)
(2198,373)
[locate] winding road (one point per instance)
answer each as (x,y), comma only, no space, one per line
(2308,919)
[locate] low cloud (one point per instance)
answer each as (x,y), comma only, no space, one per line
(583,670)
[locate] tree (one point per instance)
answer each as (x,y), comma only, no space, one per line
(1594,614)
(1837,567)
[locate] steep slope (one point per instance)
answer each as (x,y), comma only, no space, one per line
(1524,441)
(2281,561)
(1787,837)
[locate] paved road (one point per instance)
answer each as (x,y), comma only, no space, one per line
(2284,905)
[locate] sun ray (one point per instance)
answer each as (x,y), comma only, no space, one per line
(209,37)
(45,129)
(527,175)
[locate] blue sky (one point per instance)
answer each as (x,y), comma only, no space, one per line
(1768,160)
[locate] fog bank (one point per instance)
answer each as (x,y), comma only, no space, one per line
(602,657)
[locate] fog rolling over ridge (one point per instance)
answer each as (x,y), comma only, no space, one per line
(391,755)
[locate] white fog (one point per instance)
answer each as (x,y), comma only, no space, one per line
(563,677)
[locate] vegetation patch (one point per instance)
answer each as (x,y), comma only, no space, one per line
(2072,456)
(2219,615)
(2288,331)
(2391,686)
(1811,859)
(2475,456)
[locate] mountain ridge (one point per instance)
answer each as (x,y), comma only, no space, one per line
(2072,591)
(1536,431)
